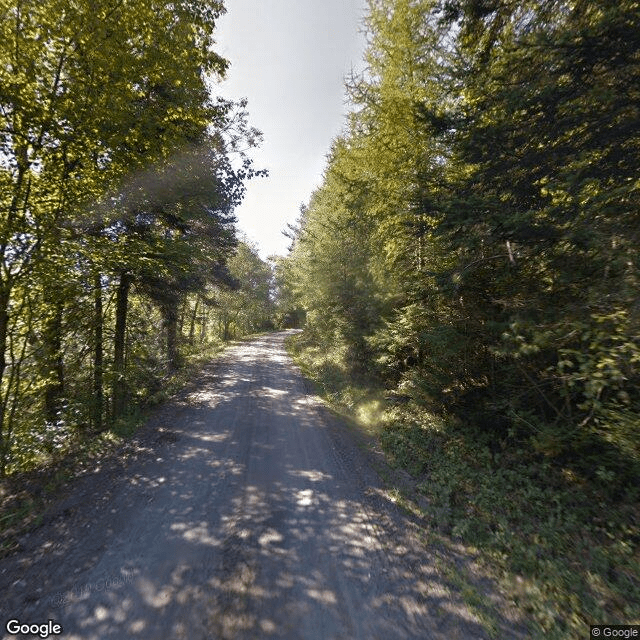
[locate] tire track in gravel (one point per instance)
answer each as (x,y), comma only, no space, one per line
(249,512)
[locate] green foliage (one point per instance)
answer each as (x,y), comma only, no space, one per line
(563,547)
(289,312)
(248,306)
(474,246)
(551,167)
(475,233)
(354,396)
(119,178)
(329,268)
(563,553)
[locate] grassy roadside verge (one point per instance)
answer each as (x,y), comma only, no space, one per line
(566,551)
(25,496)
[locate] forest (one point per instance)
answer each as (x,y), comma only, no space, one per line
(120,263)
(469,273)
(466,275)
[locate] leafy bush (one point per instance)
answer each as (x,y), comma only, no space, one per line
(564,544)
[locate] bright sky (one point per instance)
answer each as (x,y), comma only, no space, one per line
(289,58)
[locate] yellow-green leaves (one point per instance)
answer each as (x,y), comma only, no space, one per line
(100,99)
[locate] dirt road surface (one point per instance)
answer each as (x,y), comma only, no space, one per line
(243,510)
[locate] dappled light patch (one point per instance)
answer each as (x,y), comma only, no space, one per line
(313,475)
(251,525)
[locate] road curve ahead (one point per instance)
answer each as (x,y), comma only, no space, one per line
(249,513)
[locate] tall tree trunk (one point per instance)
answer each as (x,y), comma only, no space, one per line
(54,389)
(192,327)
(171,324)
(4,328)
(183,314)
(119,391)
(98,356)
(203,326)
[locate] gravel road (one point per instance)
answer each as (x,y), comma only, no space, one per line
(243,510)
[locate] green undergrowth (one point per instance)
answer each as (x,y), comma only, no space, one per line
(78,440)
(564,548)
(26,492)
(355,397)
